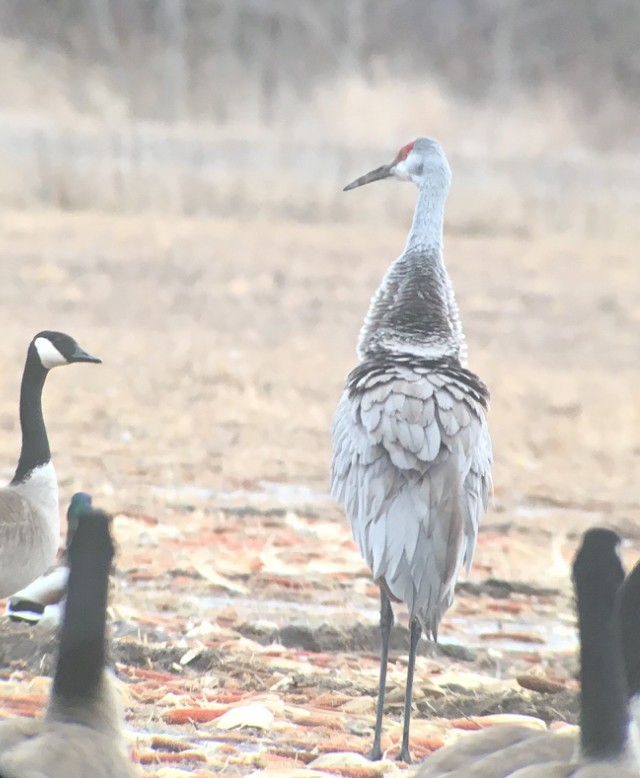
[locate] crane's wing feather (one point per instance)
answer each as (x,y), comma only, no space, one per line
(411,465)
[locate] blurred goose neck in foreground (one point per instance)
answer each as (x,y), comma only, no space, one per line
(79,684)
(606,731)
(630,628)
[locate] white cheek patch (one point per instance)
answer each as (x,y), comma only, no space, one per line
(401,170)
(48,353)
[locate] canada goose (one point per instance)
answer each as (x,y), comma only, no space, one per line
(496,751)
(607,737)
(42,602)
(29,511)
(80,734)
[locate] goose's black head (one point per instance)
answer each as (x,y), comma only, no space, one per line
(598,574)
(598,562)
(53,349)
(79,502)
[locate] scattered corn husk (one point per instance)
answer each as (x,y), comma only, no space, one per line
(257,716)
(364,767)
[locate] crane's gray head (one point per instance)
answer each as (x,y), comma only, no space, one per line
(56,348)
(423,161)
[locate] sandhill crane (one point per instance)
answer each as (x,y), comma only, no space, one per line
(411,447)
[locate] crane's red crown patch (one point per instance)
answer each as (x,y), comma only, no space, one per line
(404,151)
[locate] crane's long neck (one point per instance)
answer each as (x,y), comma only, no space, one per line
(428,219)
(414,309)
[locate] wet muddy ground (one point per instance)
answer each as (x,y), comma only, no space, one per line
(244,621)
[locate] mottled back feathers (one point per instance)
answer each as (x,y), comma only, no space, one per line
(411,465)
(414,309)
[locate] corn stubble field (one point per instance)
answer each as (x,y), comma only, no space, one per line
(245,622)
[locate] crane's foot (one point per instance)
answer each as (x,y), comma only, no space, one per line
(375,755)
(404,756)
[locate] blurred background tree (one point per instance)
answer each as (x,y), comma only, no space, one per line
(156,97)
(225,60)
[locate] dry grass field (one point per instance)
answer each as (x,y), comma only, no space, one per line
(206,431)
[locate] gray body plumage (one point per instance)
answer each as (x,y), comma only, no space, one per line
(411,448)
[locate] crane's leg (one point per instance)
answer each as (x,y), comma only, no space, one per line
(386,622)
(415,632)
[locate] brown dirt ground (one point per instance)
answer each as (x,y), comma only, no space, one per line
(206,432)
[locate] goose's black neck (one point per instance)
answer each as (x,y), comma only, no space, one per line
(630,629)
(604,712)
(81,659)
(35,444)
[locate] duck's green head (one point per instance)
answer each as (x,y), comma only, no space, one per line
(79,502)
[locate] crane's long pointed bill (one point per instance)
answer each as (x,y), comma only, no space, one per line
(384,171)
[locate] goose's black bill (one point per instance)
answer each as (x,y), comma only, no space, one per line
(80,355)
(384,171)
